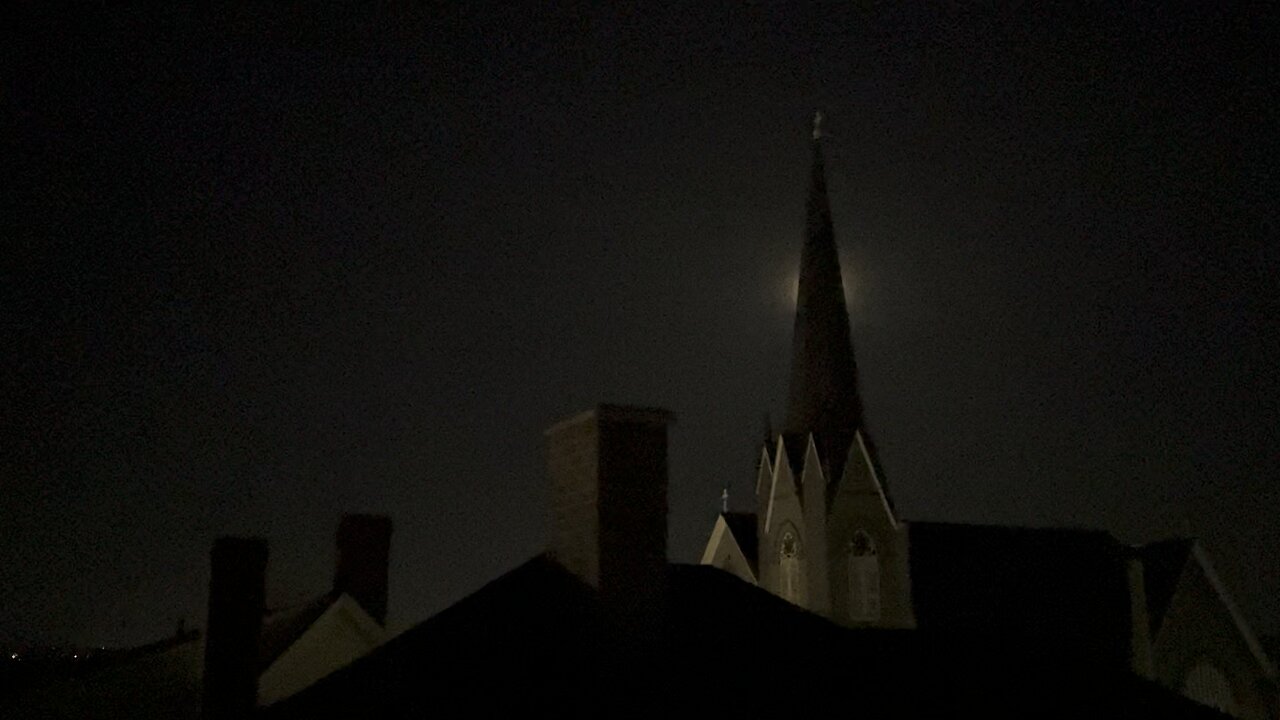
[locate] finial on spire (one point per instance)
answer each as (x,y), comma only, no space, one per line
(724,499)
(817,125)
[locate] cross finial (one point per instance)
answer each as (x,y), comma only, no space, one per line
(817,125)
(724,499)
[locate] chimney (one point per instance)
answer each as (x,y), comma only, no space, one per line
(608,472)
(236,597)
(364,545)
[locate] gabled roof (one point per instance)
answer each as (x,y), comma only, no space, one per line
(738,529)
(281,628)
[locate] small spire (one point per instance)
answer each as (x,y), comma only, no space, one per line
(724,499)
(817,125)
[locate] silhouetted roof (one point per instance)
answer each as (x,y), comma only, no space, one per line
(1065,590)
(540,638)
(537,639)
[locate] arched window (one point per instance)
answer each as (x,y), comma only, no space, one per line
(1208,686)
(864,578)
(789,567)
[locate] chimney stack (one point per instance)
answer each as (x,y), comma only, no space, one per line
(364,546)
(608,472)
(237,591)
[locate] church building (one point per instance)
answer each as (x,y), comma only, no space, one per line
(826,537)
(834,544)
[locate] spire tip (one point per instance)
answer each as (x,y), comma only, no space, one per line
(817,125)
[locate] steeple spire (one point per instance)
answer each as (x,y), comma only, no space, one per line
(823,394)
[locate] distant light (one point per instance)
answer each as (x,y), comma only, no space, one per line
(14,656)
(75,657)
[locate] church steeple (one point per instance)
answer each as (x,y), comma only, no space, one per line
(826,537)
(823,393)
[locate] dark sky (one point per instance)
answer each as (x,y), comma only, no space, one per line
(267,266)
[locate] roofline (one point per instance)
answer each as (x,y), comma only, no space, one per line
(366,626)
(719,534)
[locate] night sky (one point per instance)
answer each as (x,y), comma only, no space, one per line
(264,267)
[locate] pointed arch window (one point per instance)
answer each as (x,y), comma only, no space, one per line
(864,578)
(789,567)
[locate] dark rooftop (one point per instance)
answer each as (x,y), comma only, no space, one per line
(537,638)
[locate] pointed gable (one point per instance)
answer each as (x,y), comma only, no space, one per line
(784,483)
(792,448)
(733,546)
(341,632)
(863,463)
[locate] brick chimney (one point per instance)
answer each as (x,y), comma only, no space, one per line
(364,546)
(608,473)
(237,590)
